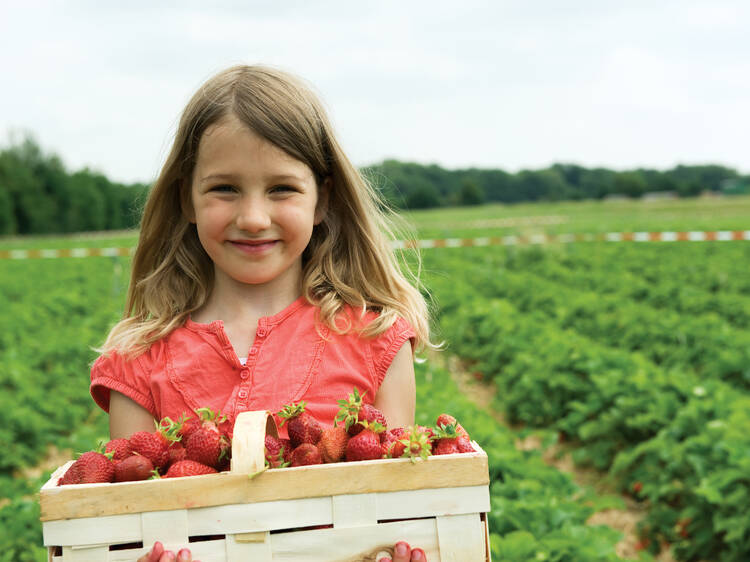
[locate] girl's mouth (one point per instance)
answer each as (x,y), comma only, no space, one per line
(253,247)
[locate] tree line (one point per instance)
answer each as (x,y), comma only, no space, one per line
(39,196)
(416,186)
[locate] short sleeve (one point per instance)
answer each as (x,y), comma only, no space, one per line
(386,346)
(130,377)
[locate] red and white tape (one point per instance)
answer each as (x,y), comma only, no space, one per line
(667,236)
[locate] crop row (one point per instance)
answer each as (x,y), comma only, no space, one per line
(689,279)
(705,344)
(667,435)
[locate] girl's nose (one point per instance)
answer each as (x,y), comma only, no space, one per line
(253,216)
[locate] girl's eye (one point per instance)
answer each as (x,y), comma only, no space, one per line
(223,188)
(282,189)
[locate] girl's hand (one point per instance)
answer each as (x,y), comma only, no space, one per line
(158,554)
(402,552)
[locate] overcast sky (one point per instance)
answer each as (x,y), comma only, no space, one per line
(508,85)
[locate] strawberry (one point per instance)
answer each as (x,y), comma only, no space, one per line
(366,444)
(274,452)
(135,467)
(91,467)
(302,427)
(448,441)
(388,438)
(287,449)
(152,445)
(416,442)
(354,410)
(187,425)
(207,445)
(188,468)
(446,419)
(120,449)
(306,454)
(332,444)
(176,452)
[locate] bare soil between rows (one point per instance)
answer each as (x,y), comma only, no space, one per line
(623,520)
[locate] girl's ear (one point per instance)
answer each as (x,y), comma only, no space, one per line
(321,208)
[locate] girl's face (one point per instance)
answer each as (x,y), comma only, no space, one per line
(254,206)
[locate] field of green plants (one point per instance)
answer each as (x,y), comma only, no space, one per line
(635,356)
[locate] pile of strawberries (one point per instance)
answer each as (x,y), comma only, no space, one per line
(201,444)
(360,433)
(190,446)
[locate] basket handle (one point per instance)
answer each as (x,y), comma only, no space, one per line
(248,441)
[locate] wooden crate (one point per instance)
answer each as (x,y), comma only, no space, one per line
(334,512)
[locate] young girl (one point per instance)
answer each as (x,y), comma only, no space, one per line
(263,274)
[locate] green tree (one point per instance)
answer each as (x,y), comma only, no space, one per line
(470,193)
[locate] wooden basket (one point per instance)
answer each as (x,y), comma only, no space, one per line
(347,511)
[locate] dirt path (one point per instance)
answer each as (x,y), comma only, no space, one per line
(623,520)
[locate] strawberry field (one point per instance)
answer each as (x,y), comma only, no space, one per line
(636,357)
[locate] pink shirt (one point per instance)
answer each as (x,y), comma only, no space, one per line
(196,366)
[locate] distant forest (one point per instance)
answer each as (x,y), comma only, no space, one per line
(39,196)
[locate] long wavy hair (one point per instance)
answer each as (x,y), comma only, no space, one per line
(348,261)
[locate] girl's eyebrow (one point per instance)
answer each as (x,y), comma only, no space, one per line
(272,178)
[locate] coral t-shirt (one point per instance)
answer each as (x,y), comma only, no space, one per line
(291,359)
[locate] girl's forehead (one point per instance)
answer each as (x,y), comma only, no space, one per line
(230,142)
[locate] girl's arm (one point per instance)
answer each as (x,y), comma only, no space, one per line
(126,416)
(397,395)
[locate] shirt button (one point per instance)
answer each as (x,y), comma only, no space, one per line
(243,393)
(253,350)
(261,332)
(244,373)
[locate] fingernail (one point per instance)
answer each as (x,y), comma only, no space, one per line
(401,548)
(183,555)
(170,555)
(417,554)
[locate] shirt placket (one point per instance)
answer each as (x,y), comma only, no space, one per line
(247,372)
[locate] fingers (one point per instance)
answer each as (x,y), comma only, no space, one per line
(401,552)
(154,554)
(418,555)
(158,554)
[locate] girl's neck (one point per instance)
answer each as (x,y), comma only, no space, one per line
(231,301)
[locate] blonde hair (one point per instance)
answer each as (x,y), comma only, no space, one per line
(348,261)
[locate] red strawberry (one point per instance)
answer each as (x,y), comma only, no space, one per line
(71,476)
(450,441)
(388,438)
(274,452)
(91,467)
(176,452)
(152,445)
(354,410)
(287,448)
(207,445)
(416,442)
(302,427)
(188,468)
(187,425)
(120,449)
(332,444)
(366,444)
(464,445)
(135,467)
(446,419)
(306,454)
